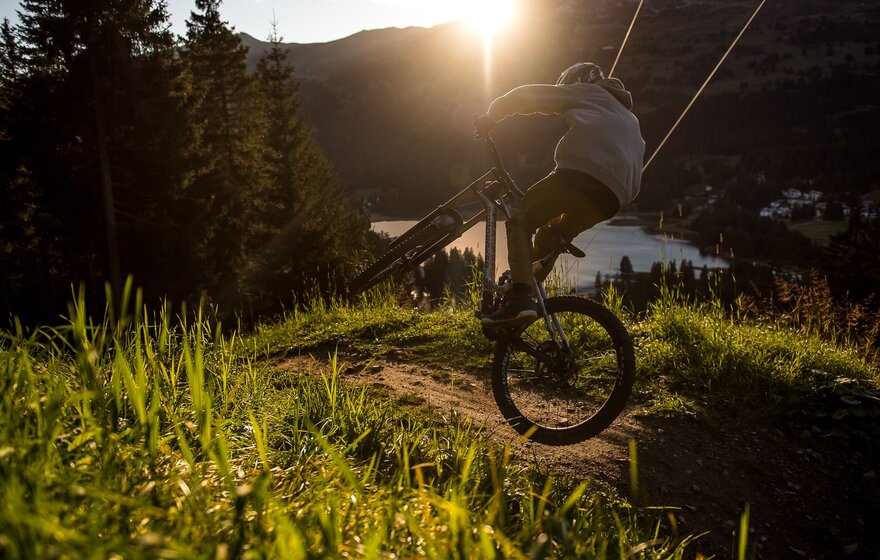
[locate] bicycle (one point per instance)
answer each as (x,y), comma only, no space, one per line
(561,379)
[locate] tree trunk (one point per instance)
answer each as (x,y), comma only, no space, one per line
(106,188)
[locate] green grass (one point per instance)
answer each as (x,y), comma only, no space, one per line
(692,356)
(375,326)
(153,436)
(818,231)
(146,436)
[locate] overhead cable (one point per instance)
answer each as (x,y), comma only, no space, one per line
(626,37)
(711,75)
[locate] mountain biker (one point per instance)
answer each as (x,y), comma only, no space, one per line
(598,172)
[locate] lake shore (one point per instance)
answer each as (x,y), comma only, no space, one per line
(654,224)
(649,222)
(637,236)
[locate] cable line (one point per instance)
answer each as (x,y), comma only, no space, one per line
(692,101)
(632,23)
(711,75)
(626,37)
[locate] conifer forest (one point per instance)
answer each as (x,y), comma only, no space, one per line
(129,151)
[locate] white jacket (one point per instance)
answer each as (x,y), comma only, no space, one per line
(603,139)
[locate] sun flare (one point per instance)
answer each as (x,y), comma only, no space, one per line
(488,16)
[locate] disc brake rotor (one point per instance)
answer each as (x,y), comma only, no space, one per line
(559,369)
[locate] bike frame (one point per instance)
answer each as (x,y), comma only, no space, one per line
(556,363)
(495,190)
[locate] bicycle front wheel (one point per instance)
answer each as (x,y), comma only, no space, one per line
(560,395)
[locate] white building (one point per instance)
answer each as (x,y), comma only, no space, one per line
(792,194)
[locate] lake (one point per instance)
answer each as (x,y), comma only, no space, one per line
(605,244)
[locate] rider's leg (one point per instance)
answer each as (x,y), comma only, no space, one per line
(545,200)
(542,202)
(588,205)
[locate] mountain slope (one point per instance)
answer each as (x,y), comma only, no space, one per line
(392,108)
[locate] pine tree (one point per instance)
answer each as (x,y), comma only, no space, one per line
(10,68)
(9,206)
(436,275)
(10,63)
(228,178)
(285,129)
(93,93)
(312,233)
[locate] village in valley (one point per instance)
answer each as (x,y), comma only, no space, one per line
(809,203)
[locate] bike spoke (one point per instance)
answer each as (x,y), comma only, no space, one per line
(563,388)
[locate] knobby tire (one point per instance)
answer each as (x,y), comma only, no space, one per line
(612,356)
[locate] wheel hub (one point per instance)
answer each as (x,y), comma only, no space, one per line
(560,367)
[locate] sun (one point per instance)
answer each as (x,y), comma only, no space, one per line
(488,16)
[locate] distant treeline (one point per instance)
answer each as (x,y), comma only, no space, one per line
(722,285)
(125,150)
(768,253)
(762,251)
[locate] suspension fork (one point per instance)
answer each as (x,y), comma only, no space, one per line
(554,328)
(551,322)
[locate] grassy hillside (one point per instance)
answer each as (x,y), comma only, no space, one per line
(684,350)
(150,436)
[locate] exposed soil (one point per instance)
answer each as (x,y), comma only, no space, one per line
(806,498)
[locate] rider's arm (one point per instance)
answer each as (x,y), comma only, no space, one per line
(537,98)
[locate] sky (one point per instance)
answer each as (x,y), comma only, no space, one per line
(313,21)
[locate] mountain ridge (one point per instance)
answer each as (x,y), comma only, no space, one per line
(392,107)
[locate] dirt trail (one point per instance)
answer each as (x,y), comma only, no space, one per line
(805,500)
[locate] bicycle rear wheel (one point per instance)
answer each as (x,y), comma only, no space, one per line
(411,249)
(557,396)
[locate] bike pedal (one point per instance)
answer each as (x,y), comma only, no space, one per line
(574,250)
(567,245)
